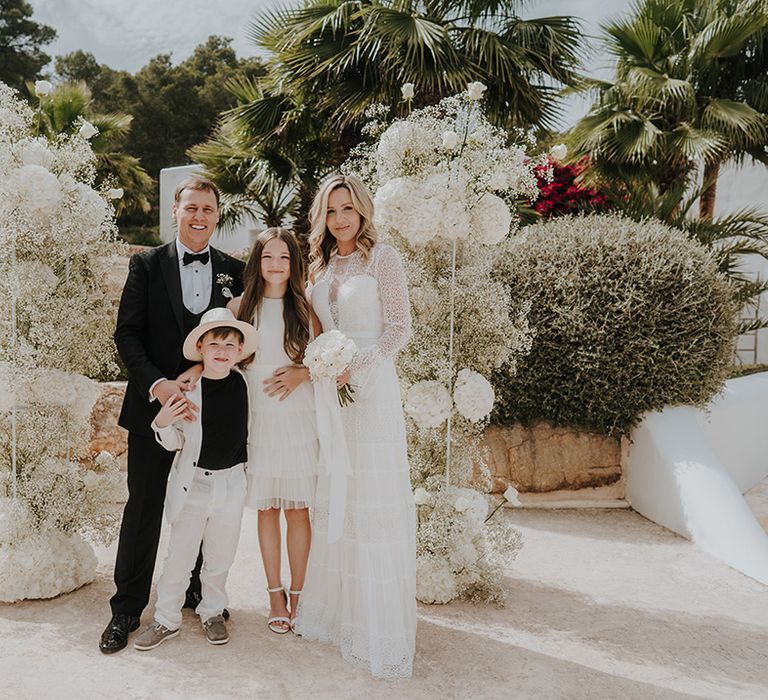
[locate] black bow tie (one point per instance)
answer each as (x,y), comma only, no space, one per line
(200,257)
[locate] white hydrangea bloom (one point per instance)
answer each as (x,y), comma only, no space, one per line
(491,219)
(428,403)
(36,152)
(35,189)
(473,394)
(435,583)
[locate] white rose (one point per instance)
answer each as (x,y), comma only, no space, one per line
(559,151)
(43,88)
(421,497)
(450,140)
(461,504)
(407,91)
(511,495)
(87,130)
(475,91)
(115,193)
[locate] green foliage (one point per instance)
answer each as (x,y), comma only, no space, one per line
(691,89)
(141,235)
(628,317)
(354,53)
(729,239)
(63,111)
(174,107)
(21,42)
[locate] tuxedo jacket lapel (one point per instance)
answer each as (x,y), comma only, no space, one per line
(169,263)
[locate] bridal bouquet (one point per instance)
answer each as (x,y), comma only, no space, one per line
(328,356)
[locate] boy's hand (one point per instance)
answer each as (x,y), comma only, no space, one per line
(173,410)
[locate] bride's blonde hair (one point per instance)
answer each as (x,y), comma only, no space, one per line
(321,240)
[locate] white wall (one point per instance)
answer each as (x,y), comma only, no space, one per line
(740,188)
(238,239)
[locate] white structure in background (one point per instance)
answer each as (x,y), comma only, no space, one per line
(688,469)
(239,238)
(742,188)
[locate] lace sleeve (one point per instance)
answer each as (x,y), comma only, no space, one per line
(393,291)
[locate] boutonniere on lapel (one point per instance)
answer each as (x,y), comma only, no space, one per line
(224,280)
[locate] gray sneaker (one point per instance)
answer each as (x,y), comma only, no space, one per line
(216,630)
(153,637)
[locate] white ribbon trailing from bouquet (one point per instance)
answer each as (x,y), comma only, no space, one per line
(334,456)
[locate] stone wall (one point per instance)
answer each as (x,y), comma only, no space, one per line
(547,463)
(107,435)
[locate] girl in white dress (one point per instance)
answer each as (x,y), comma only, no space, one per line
(282,436)
(360,591)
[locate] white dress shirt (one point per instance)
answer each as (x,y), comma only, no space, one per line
(196,283)
(196,279)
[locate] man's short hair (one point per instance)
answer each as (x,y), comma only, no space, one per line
(221,332)
(197,183)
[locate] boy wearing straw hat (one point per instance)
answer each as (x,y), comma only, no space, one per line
(207,484)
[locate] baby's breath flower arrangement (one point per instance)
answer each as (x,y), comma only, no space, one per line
(445,183)
(55,327)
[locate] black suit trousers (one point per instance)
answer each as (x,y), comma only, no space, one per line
(148,467)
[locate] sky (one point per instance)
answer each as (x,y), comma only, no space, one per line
(125,34)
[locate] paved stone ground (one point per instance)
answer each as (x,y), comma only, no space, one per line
(602,604)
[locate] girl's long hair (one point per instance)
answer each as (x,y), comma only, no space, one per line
(321,240)
(296,310)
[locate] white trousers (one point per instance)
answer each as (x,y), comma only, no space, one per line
(212,514)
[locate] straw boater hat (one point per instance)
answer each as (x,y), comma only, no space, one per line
(215,318)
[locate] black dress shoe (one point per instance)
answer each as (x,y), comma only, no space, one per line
(115,636)
(192,600)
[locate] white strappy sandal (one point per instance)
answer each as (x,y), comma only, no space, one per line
(271,622)
(293,619)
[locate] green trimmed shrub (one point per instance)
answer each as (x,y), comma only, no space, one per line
(628,317)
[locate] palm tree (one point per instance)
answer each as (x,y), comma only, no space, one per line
(691,92)
(331,61)
(354,53)
(63,110)
(268,155)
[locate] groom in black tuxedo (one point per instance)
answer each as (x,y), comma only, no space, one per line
(167,291)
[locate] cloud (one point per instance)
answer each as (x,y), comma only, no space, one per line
(125,35)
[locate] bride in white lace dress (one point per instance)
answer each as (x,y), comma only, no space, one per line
(360,592)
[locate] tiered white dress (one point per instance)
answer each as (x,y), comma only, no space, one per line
(360,592)
(282,436)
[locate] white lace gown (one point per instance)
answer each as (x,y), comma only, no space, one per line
(360,592)
(282,435)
